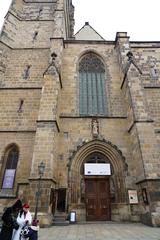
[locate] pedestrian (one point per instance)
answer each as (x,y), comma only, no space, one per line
(32,233)
(9,220)
(24,218)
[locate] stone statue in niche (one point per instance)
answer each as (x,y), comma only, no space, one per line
(95,127)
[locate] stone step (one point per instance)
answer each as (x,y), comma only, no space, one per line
(60,219)
(60,223)
(60,214)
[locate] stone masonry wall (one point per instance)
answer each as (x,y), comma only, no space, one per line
(4,52)
(18,62)
(26,34)
(29,25)
(12,117)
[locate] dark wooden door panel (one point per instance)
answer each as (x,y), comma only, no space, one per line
(91,201)
(103,199)
(91,210)
(97,199)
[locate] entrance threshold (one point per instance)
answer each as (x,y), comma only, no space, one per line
(107,222)
(96,222)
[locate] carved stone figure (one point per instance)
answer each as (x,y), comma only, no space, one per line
(95,127)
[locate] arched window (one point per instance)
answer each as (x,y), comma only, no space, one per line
(11,157)
(92,87)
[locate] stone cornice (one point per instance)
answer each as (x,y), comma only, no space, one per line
(152,86)
(139,121)
(105,117)
(30,20)
(17,131)
(89,42)
(30,48)
(5,44)
(42,179)
(28,1)
(148,180)
(21,88)
(49,121)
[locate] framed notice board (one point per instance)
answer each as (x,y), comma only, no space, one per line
(133,198)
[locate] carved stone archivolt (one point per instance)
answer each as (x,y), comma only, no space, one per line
(114,156)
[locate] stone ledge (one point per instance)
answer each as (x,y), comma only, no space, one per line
(45,219)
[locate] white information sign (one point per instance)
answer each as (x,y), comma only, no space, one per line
(8,178)
(72,217)
(97,169)
(133,198)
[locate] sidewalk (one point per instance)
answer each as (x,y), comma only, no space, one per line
(104,231)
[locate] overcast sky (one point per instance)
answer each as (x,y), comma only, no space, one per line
(140,18)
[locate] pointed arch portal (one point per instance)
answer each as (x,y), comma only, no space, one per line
(96,192)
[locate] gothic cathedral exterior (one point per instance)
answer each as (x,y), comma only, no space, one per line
(88,108)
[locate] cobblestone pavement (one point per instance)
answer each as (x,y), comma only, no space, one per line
(107,231)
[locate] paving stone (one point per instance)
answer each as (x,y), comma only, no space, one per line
(100,231)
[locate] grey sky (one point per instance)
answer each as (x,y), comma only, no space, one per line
(140,18)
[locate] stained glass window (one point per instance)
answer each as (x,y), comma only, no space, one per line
(92,86)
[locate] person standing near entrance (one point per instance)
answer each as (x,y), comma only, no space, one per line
(24,218)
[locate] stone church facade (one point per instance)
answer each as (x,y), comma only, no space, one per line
(70,100)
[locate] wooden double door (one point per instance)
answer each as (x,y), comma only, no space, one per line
(97,193)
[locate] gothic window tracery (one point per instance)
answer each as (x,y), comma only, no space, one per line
(91,63)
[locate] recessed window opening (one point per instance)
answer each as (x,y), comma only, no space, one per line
(92,86)
(11,156)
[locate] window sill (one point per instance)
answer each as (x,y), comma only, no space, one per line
(7,193)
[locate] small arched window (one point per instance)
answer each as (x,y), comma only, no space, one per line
(92,86)
(11,156)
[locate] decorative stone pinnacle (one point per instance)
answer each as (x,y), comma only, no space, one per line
(131,60)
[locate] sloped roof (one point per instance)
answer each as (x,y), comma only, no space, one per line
(88,33)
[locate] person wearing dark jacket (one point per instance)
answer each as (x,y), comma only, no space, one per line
(32,233)
(9,220)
